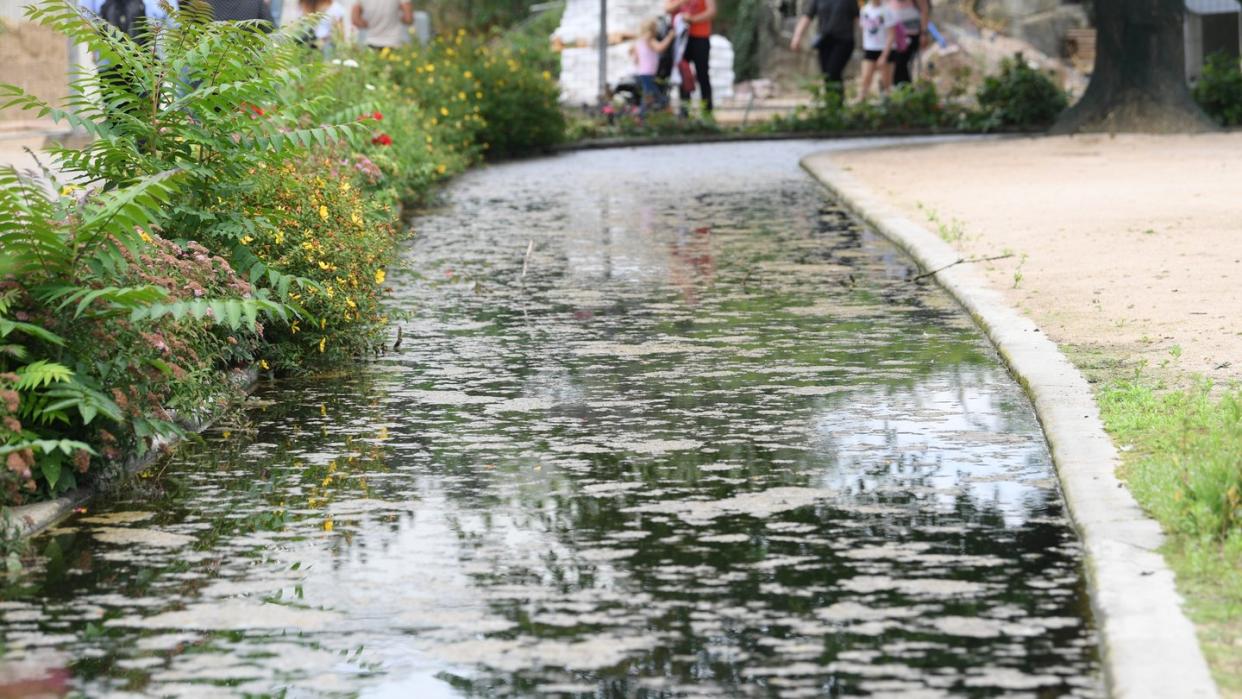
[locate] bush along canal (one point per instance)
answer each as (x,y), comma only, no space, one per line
(664,422)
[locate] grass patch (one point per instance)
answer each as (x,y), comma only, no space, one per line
(1182,459)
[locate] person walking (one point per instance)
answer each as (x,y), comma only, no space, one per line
(385,21)
(913,16)
(835,43)
(699,15)
(879,39)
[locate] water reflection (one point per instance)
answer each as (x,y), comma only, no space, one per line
(705,438)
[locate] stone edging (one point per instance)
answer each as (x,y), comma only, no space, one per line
(1148,646)
(28,520)
(611,142)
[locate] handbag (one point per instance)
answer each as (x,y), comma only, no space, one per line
(687,75)
(901,38)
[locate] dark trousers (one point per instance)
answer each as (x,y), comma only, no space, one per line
(903,60)
(834,56)
(698,51)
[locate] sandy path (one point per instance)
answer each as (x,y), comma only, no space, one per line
(1129,248)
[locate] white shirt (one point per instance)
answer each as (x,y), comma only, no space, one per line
(384,25)
(876,22)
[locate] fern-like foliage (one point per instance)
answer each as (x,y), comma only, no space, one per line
(214,100)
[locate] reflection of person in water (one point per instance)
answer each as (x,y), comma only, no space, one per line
(691,262)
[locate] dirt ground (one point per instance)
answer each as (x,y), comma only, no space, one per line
(1127,250)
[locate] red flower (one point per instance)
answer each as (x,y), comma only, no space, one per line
(377,116)
(382,139)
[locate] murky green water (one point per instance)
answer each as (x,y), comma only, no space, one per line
(704,439)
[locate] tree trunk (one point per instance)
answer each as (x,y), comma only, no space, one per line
(1139,82)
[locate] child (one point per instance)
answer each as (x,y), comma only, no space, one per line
(646,50)
(879,33)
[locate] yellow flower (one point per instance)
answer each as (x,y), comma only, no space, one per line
(461,96)
(323,212)
(345,186)
(294,329)
(323,343)
(263,364)
(547,75)
(431,67)
(468,75)
(329,291)
(327,525)
(353,216)
(443,111)
(246,240)
(145,238)
(441,168)
(350,302)
(68,189)
(379,276)
(280,236)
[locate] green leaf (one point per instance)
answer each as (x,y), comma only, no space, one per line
(51,472)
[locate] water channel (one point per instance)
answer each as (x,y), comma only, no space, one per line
(665,422)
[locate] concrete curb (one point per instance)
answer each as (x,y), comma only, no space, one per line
(1148,646)
(28,520)
(728,137)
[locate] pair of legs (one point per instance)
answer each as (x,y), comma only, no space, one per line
(902,60)
(871,65)
(652,96)
(834,56)
(698,51)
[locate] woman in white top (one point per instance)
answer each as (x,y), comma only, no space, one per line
(878,37)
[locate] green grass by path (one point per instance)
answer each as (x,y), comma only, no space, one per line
(1182,459)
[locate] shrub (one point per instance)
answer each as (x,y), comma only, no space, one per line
(101,318)
(1020,95)
(495,95)
(1219,90)
(411,145)
(326,230)
(519,104)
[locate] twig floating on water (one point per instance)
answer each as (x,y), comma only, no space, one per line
(530,247)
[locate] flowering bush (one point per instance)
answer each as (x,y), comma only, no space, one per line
(492,95)
(106,327)
(411,146)
(327,230)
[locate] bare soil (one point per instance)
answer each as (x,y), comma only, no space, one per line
(1127,250)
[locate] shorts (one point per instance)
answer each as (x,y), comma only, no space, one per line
(875,55)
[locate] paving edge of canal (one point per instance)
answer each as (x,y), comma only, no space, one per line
(1148,646)
(31,519)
